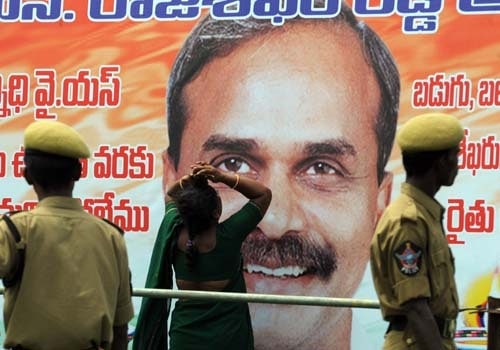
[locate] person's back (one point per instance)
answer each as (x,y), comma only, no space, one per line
(68,293)
(218,256)
(74,289)
(205,255)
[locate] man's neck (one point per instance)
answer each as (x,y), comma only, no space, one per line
(425,184)
(66,191)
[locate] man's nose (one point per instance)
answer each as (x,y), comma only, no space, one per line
(285,214)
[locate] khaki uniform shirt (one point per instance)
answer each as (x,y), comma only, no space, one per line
(410,257)
(75,285)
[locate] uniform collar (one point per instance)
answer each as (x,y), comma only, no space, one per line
(60,202)
(429,203)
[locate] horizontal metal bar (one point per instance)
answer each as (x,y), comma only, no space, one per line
(252,298)
(268,299)
(256,298)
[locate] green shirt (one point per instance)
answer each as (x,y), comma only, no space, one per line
(224,260)
(75,285)
(196,324)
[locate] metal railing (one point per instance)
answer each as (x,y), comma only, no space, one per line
(252,298)
(270,299)
(256,298)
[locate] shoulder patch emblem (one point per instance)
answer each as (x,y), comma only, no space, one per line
(409,258)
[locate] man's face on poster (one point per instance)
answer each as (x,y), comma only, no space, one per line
(296,112)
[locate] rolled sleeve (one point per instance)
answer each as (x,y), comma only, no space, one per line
(124,314)
(409,264)
(414,288)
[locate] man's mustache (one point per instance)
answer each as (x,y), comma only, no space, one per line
(291,249)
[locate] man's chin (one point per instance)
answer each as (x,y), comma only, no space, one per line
(264,283)
(276,326)
(297,327)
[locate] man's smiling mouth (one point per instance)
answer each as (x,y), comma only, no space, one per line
(283,272)
(292,256)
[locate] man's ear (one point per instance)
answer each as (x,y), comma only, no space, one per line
(169,172)
(443,163)
(384,194)
(77,172)
(27,177)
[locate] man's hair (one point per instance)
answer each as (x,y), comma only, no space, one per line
(213,38)
(418,164)
(52,172)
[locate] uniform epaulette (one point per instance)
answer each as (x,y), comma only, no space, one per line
(115,226)
(410,212)
(11,213)
(13,229)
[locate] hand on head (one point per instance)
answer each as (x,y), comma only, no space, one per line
(206,171)
(186,178)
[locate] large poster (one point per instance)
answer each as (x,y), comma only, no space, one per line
(303,95)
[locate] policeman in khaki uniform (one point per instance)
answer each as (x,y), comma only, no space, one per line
(66,271)
(412,265)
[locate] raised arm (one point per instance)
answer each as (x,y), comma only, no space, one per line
(250,188)
(172,188)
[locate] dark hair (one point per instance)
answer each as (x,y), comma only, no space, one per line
(417,164)
(196,202)
(213,38)
(52,172)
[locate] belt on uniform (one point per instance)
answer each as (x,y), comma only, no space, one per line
(446,326)
(397,323)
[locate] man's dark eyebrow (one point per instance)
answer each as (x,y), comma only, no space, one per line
(339,147)
(229,144)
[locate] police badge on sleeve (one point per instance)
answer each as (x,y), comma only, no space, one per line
(409,258)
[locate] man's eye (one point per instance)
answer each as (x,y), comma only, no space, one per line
(233,164)
(321,168)
(323,176)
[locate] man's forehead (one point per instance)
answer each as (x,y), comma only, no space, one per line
(298,42)
(297,100)
(282,60)
(330,33)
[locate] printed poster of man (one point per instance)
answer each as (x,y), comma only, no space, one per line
(305,96)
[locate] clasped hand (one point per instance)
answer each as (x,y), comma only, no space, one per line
(207,171)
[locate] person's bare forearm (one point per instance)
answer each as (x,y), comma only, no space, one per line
(253,190)
(423,325)
(176,186)
(250,188)
(120,340)
(246,186)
